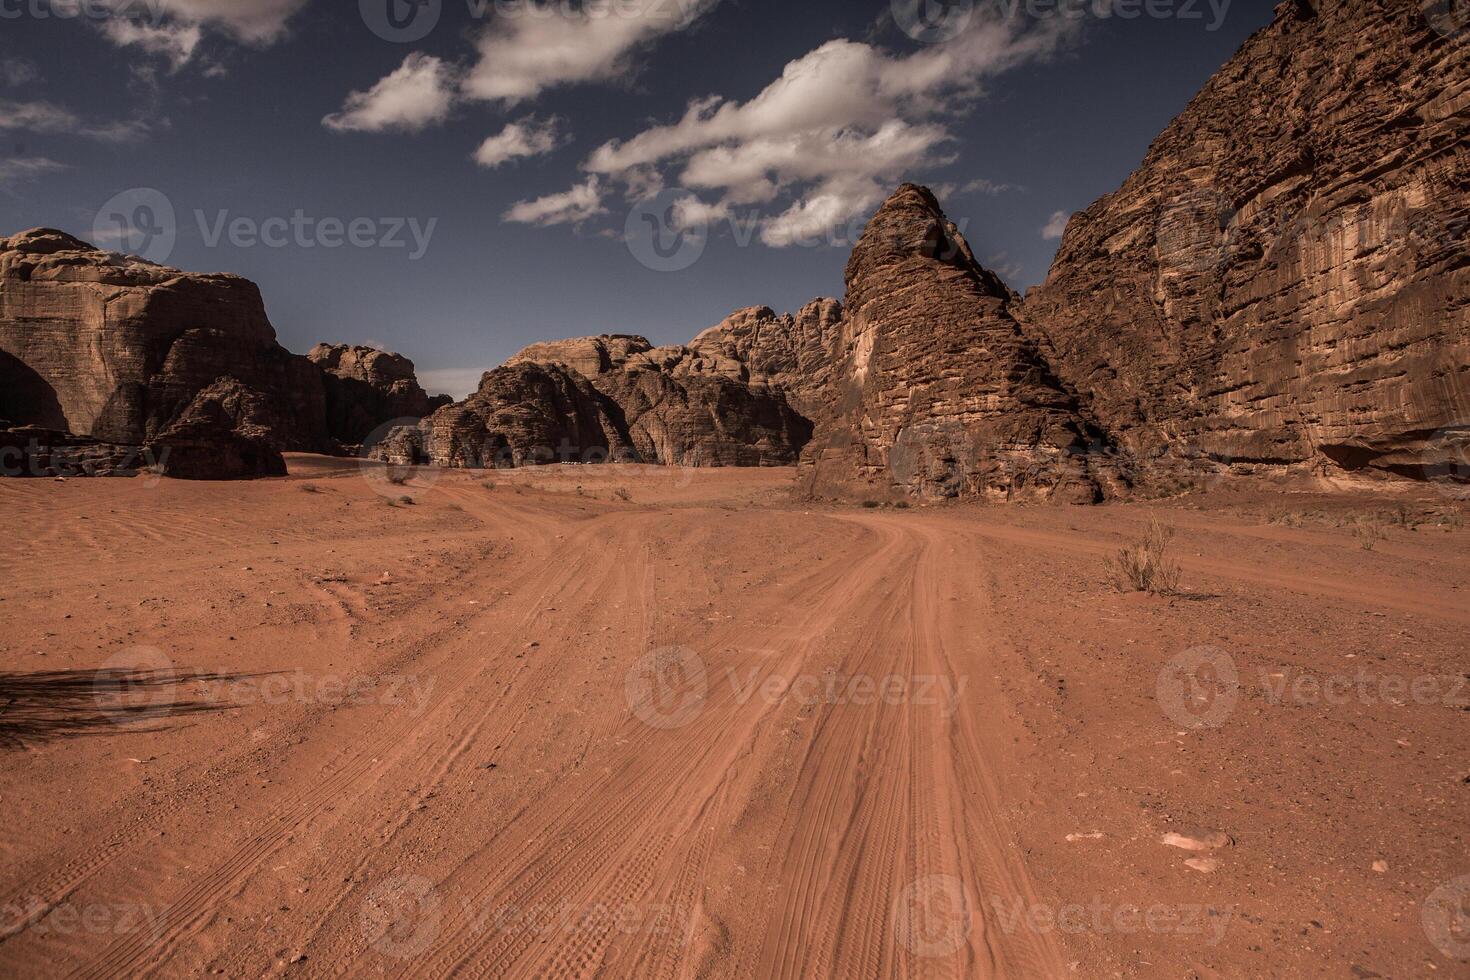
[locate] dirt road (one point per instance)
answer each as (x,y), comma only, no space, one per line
(627,722)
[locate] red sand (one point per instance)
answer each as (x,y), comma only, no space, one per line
(631,722)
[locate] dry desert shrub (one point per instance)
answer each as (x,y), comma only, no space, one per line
(622,493)
(1369,531)
(1145,566)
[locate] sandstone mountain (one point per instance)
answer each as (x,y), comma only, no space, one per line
(103,356)
(933,389)
(116,348)
(1284,283)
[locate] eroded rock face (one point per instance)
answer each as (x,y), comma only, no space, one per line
(588,356)
(680,405)
(1284,283)
(792,352)
(935,390)
(115,348)
(366,387)
(117,355)
(226,433)
(694,419)
(523,414)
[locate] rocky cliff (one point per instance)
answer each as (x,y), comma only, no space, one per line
(115,348)
(1284,283)
(792,352)
(366,387)
(932,388)
(110,360)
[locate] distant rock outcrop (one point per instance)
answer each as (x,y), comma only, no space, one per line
(523,414)
(366,387)
(792,352)
(678,405)
(108,357)
(1284,283)
(115,348)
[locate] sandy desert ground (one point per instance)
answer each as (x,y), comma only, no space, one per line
(633,722)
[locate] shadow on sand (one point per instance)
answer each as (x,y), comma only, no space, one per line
(46,705)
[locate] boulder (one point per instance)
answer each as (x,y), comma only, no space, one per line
(225,433)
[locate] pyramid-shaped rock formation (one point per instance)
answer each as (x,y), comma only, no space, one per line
(935,389)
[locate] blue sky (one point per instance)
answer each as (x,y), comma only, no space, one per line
(468,186)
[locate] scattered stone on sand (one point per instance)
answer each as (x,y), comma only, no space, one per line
(1201,840)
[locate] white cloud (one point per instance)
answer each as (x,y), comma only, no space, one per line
(419,93)
(49,118)
(540,46)
(526,138)
(1056,226)
(253,21)
(828,206)
(836,131)
(990,187)
(690,213)
(13,170)
(174,29)
(175,41)
(581,202)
